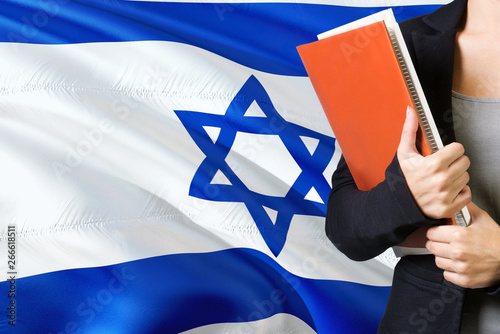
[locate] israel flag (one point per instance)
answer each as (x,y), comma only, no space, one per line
(165,168)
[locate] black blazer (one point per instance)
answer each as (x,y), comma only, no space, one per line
(362,224)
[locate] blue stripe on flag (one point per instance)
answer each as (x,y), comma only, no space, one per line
(174,293)
(251,34)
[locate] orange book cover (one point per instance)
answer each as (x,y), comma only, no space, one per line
(363,91)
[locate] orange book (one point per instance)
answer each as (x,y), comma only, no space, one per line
(363,77)
(363,91)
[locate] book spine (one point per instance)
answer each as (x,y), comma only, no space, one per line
(420,110)
(460,218)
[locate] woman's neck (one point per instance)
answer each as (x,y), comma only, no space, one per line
(483,17)
(477,65)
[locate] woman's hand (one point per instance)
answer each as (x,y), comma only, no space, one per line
(469,256)
(438,182)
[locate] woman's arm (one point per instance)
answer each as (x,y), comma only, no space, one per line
(362,224)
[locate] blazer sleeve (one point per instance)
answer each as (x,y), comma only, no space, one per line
(363,224)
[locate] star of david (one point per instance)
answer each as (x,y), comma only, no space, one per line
(308,194)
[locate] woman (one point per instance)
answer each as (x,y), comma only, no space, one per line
(455,290)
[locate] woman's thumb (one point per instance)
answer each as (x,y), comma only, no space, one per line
(409,134)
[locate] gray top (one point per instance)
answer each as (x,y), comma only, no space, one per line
(477,127)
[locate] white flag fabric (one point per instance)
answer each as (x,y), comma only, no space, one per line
(165,168)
